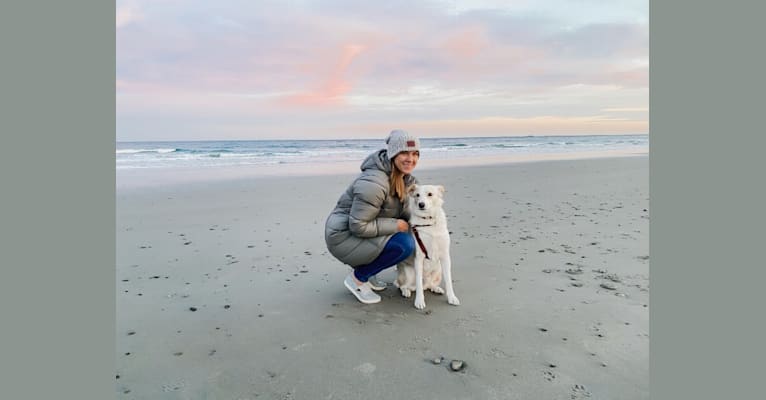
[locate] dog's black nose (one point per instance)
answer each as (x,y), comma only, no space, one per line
(422,205)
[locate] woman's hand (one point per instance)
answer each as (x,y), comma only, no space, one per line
(402,225)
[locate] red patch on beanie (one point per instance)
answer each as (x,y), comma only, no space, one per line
(410,143)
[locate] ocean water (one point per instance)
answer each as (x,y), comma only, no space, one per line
(196,154)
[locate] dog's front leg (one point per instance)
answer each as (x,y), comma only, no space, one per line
(420,301)
(447,275)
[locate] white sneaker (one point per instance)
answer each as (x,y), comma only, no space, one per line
(363,293)
(376,284)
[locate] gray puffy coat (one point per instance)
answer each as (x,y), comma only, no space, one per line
(364,219)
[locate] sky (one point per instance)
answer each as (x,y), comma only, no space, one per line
(337,69)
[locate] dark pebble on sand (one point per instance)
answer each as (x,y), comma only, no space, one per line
(127,354)
(541,251)
(260,315)
(552,365)
(547,271)
(543,330)
(118,377)
(211,352)
(284,347)
(192,308)
(126,391)
(131,333)
(227,306)
(177,354)
(607,285)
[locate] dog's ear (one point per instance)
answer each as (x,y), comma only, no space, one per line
(412,188)
(440,188)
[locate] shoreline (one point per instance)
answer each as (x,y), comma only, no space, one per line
(155,177)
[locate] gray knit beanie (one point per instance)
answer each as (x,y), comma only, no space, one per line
(399,141)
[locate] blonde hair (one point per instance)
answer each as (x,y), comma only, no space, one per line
(396,182)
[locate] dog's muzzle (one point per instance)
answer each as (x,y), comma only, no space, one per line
(422,205)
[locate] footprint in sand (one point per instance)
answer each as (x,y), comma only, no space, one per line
(579,392)
(549,375)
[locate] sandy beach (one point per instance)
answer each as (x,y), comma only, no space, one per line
(225,290)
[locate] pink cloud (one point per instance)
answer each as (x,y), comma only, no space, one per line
(333,87)
(466,43)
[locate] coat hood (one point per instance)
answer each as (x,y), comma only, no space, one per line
(377,160)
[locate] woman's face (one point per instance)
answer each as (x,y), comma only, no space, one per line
(406,161)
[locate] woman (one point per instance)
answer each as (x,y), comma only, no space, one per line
(368,228)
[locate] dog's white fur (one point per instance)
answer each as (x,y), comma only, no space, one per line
(418,273)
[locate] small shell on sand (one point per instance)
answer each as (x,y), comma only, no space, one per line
(437,360)
(457,365)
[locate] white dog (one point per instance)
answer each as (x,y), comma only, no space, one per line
(431,261)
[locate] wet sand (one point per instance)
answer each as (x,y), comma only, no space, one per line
(225,290)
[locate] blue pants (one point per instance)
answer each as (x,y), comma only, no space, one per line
(398,248)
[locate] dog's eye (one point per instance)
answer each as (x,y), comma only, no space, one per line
(417,195)
(429,195)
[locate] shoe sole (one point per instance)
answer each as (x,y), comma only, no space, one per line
(353,291)
(376,288)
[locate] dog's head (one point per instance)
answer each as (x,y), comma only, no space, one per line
(425,199)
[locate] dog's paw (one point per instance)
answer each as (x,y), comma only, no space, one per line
(453,300)
(420,303)
(406,292)
(437,290)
